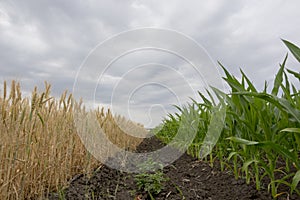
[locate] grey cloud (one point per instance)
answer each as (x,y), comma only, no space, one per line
(50,39)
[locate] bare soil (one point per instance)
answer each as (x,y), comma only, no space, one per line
(189,178)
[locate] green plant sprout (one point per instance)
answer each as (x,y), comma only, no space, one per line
(151,181)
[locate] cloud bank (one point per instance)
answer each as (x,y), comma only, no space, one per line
(49,40)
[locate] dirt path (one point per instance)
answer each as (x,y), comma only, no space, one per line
(195,179)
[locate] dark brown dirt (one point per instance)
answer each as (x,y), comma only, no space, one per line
(193,178)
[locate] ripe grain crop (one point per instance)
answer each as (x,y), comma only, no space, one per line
(40,150)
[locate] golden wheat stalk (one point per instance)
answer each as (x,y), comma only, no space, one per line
(39,147)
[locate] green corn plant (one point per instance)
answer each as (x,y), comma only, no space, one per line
(287,108)
(259,128)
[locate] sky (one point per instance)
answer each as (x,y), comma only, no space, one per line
(63,42)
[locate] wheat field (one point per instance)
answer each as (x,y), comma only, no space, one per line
(40,150)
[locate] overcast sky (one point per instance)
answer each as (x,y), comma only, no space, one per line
(50,40)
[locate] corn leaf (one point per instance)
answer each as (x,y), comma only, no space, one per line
(250,85)
(248,163)
(242,141)
(280,103)
(281,150)
(295,181)
(215,128)
(292,130)
(279,78)
(296,74)
(293,48)
(233,153)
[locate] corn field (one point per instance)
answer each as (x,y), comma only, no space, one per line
(260,135)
